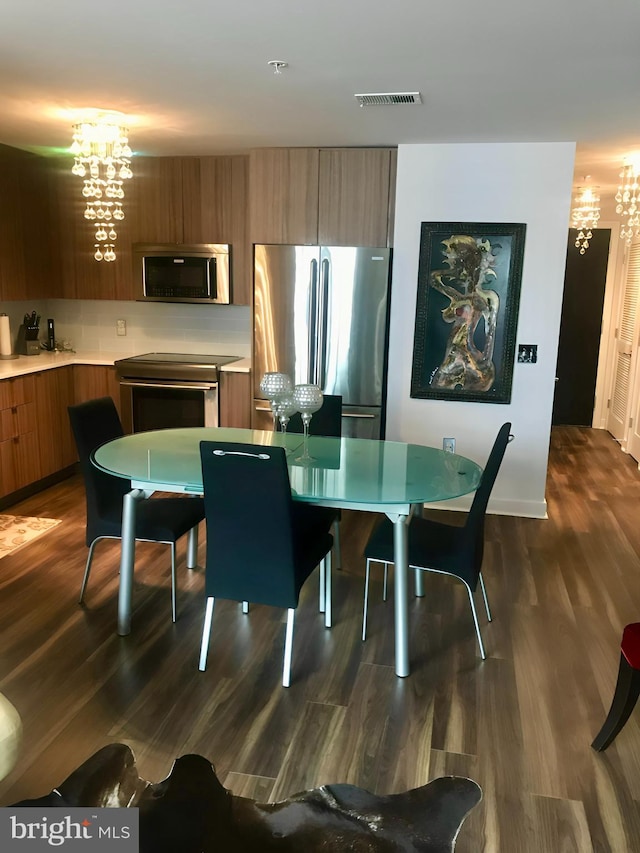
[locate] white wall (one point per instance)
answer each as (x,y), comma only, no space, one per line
(524,182)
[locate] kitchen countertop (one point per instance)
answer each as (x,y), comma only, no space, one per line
(24,364)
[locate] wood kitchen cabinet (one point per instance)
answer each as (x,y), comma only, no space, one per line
(235,399)
(82,277)
(95,380)
(25,236)
(332,196)
(283,195)
(353,196)
(54,392)
(19,446)
(194,200)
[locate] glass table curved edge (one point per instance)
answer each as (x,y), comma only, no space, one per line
(350,473)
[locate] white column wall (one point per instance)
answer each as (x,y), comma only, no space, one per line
(488,182)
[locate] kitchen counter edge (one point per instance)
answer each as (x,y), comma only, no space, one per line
(25,364)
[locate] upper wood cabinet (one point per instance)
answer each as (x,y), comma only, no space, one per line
(81,276)
(332,196)
(353,197)
(283,195)
(26,269)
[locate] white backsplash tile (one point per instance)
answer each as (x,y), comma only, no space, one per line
(151,327)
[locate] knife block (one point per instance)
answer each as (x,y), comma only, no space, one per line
(27,342)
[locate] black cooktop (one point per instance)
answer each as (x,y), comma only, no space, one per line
(172,365)
(180,358)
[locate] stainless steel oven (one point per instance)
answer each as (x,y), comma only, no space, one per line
(169,390)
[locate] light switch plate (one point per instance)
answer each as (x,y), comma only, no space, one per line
(121,327)
(449,445)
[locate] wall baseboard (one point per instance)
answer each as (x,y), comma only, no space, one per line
(497,506)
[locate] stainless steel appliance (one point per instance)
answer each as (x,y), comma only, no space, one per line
(321,315)
(164,390)
(177,272)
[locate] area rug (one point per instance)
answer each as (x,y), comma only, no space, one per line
(16,531)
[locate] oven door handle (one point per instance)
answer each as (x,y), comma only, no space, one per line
(191,386)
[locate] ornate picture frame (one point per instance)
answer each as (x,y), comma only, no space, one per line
(469,280)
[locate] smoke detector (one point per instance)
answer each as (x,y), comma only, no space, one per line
(376,99)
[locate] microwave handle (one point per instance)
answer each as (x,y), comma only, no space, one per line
(212,284)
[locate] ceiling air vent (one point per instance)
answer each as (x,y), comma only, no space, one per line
(382,98)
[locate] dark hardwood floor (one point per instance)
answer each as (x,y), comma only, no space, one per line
(519,723)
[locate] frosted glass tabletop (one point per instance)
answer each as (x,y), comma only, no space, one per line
(344,472)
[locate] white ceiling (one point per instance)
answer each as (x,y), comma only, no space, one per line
(193,78)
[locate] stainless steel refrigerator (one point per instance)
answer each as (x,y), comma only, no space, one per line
(321,315)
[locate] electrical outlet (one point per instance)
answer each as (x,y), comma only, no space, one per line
(449,445)
(121,327)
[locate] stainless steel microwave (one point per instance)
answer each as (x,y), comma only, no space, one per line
(178,272)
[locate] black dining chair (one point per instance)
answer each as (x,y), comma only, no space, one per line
(164,520)
(261,544)
(327,421)
(434,546)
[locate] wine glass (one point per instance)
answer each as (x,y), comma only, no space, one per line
(275,386)
(308,399)
(285,407)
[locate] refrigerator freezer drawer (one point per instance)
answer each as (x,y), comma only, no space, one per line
(360,422)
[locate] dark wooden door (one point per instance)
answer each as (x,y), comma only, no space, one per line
(580,326)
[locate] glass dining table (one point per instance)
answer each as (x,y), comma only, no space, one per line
(350,473)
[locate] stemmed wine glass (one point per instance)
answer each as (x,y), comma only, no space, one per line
(285,407)
(276,387)
(308,399)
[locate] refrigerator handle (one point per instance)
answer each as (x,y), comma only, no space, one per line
(323,309)
(312,309)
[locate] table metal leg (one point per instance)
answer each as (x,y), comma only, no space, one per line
(401,604)
(127,557)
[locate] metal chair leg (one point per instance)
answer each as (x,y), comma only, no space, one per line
(366,601)
(327,597)
(87,569)
(475,620)
(323,587)
(174,582)
(335,530)
(192,548)
(384,581)
(288,648)
(623,702)
(484,595)
(206,634)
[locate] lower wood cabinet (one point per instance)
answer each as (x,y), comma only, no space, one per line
(35,434)
(94,380)
(19,450)
(235,399)
(54,393)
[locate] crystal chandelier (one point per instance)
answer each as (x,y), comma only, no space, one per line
(585,215)
(103,159)
(627,199)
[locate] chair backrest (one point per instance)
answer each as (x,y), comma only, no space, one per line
(248,512)
(93,423)
(474,525)
(326,421)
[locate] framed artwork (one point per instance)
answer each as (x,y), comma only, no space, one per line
(467,311)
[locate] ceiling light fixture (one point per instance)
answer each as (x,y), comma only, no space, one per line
(103,158)
(627,198)
(585,214)
(277,65)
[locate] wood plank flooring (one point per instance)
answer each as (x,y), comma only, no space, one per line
(519,723)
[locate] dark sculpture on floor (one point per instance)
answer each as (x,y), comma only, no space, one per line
(191,812)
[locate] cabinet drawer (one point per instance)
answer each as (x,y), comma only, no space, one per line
(19,463)
(15,392)
(17,420)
